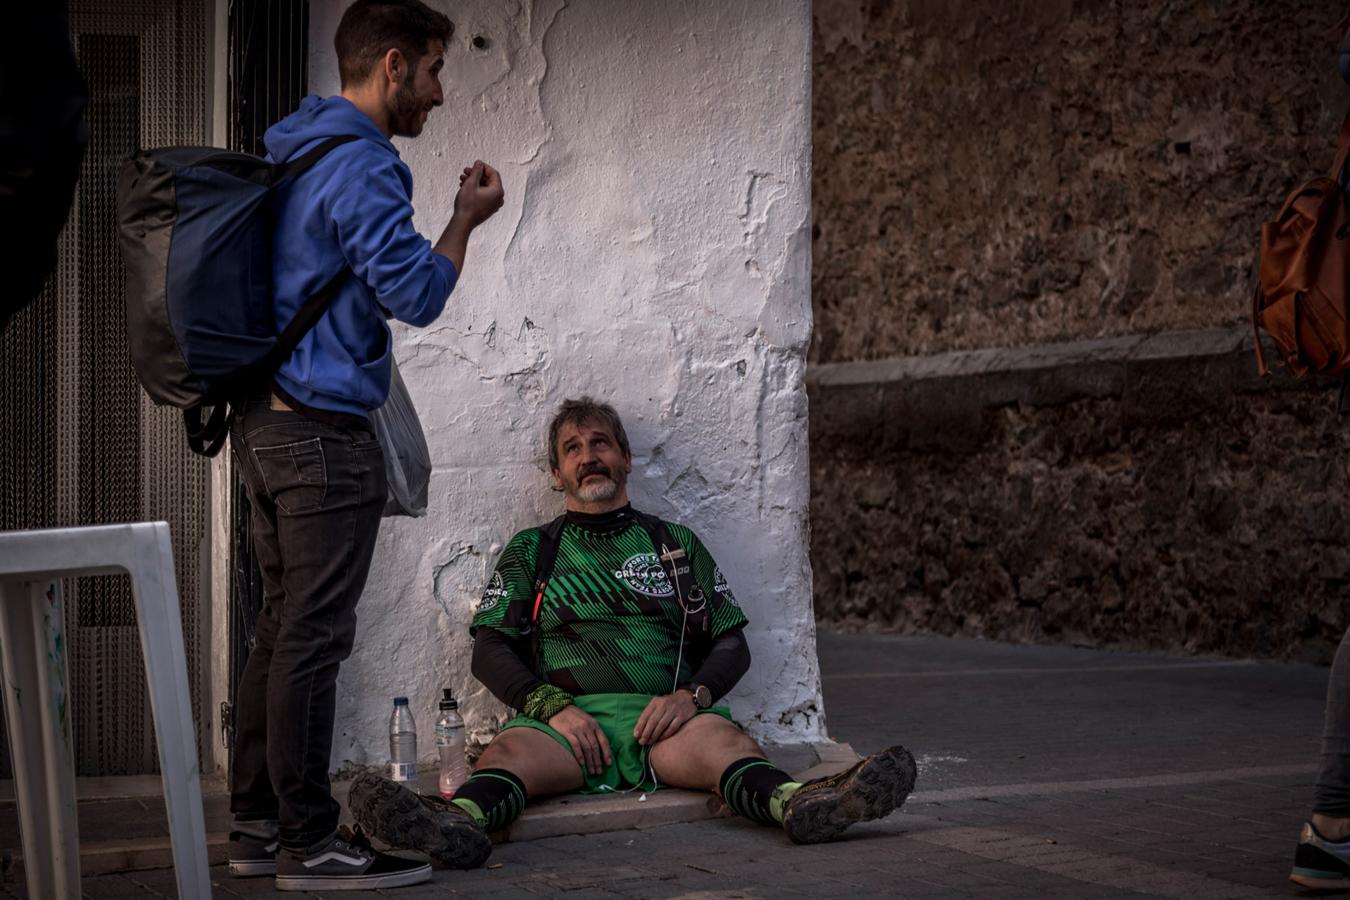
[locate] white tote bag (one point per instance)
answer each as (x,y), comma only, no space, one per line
(407,462)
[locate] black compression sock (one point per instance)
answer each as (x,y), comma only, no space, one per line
(492,796)
(748,787)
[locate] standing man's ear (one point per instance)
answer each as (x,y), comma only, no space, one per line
(557,482)
(395,66)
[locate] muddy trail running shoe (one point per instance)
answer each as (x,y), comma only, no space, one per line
(1321,864)
(346,862)
(253,849)
(872,788)
(406,820)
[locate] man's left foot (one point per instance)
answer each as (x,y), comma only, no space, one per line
(253,849)
(872,788)
(1320,864)
(407,820)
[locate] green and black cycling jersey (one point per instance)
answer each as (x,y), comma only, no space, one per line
(610,621)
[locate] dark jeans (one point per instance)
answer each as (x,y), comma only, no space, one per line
(1332,794)
(317,492)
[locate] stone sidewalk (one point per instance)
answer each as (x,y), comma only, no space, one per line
(1044,772)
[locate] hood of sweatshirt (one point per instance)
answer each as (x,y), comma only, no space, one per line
(316,119)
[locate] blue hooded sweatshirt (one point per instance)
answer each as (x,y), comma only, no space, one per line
(353,208)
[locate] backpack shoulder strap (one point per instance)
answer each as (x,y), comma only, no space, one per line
(309,313)
(678,565)
(550,536)
(301,164)
(523,613)
(305,318)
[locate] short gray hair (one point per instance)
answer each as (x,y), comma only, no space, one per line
(577,412)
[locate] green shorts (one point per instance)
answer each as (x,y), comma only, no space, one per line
(618,715)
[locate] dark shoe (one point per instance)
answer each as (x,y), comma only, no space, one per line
(407,820)
(253,849)
(1321,864)
(346,863)
(873,788)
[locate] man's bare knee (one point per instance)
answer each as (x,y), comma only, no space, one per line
(543,765)
(506,751)
(697,754)
(724,735)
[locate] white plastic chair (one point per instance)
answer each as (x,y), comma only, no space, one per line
(35,683)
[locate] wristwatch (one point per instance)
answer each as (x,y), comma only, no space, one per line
(702,696)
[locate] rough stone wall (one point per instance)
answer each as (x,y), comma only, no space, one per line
(1160,497)
(1001,172)
(654,251)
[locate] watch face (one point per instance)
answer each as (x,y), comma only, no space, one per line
(702,697)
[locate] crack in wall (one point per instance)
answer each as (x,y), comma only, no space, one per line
(527,353)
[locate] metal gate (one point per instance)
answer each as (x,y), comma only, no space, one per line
(269,74)
(79,442)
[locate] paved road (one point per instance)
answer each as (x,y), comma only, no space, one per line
(1045,773)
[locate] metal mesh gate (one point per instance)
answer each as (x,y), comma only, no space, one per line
(79,442)
(268,48)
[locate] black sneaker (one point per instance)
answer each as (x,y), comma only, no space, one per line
(872,788)
(253,849)
(407,820)
(346,862)
(1321,864)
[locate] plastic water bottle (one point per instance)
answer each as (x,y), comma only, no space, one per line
(402,742)
(450,744)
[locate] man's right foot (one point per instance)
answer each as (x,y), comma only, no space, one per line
(1320,864)
(872,788)
(253,848)
(346,863)
(407,820)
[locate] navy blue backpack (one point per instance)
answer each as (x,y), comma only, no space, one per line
(195,225)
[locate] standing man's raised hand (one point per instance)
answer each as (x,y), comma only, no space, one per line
(480,196)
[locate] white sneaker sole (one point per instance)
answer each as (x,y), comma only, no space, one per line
(353,882)
(253,868)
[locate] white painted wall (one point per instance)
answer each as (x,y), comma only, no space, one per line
(654,251)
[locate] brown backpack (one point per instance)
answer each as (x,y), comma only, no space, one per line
(1303,276)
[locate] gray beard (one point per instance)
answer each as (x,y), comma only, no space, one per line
(598,493)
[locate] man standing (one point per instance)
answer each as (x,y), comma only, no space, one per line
(303,443)
(614,633)
(1322,855)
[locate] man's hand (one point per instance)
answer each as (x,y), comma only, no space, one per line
(664,716)
(480,194)
(587,738)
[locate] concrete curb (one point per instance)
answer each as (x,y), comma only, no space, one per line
(572,814)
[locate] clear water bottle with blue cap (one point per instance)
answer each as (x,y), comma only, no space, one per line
(402,742)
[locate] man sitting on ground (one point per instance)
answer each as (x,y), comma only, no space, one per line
(613,633)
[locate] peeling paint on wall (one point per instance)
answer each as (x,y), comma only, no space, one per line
(654,250)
